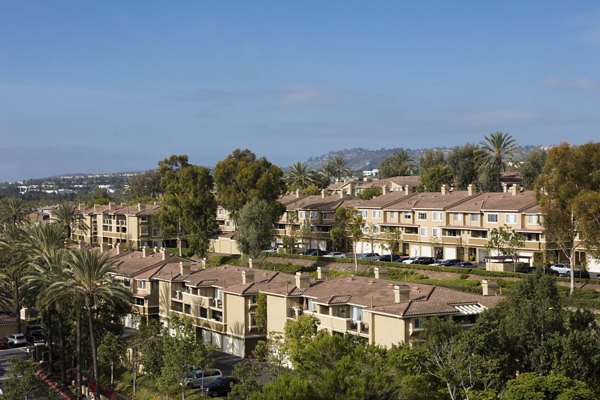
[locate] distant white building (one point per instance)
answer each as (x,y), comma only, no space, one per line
(371,173)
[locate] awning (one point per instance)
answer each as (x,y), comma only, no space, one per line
(470,309)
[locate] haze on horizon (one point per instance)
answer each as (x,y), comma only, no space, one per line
(116,86)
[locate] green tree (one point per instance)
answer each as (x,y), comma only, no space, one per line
(110,352)
(430,159)
(188,206)
(337,167)
(89,280)
(286,387)
(495,151)
(399,163)
(348,226)
(255,227)
(506,242)
(241,177)
(531,386)
(371,192)
(299,176)
(311,190)
(393,241)
(463,166)
(13,211)
(532,167)
(298,334)
(145,185)
(567,191)
(23,382)
(434,177)
(69,217)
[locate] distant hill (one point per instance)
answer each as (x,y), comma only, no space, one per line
(359,159)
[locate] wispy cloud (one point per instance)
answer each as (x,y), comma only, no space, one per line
(504,117)
(588,27)
(307,95)
(581,85)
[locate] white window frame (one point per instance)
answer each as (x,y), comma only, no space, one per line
(533,219)
(437,216)
(364,213)
(141,284)
(420,215)
(302,214)
(474,217)
(435,232)
(393,215)
(457,217)
(507,219)
(423,232)
(376,214)
(408,215)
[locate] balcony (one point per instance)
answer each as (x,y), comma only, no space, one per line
(410,237)
(451,240)
(177,296)
(477,241)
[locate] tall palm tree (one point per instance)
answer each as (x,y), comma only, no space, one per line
(339,168)
(89,280)
(299,176)
(70,218)
(13,211)
(14,258)
(399,163)
(495,150)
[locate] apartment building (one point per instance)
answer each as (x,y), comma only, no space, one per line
(392,184)
(378,310)
(131,226)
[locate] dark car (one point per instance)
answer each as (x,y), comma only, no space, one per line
(220,386)
(526,269)
(449,263)
(389,257)
(464,264)
(36,336)
(313,252)
(401,259)
(3,344)
(578,273)
(424,260)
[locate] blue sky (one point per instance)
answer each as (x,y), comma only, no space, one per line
(91,86)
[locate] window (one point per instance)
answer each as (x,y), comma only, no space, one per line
(188,309)
(437,216)
(356,314)
(407,215)
(376,214)
(314,215)
(533,219)
(141,284)
(474,217)
(423,232)
(393,215)
(457,217)
(144,219)
(143,230)
(155,232)
(364,213)
(511,218)
(311,305)
(126,282)
(154,284)
(375,229)
(422,216)
(492,218)
(203,312)
(302,214)
(253,299)
(253,320)
(328,215)
(138,301)
(417,323)
(435,232)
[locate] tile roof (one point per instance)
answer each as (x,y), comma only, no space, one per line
(385,200)
(319,203)
(431,200)
(117,209)
(497,202)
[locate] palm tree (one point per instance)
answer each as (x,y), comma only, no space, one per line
(496,149)
(89,280)
(14,258)
(13,211)
(299,176)
(338,167)
(70,218)
(399,163)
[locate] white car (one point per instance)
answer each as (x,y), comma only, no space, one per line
(562,269)
(199,377)
(410,260)
(335,254)
(16,339)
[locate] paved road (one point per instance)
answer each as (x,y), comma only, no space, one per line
(6,356)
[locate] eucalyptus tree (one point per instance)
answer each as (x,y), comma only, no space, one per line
(89,280)
(495,151)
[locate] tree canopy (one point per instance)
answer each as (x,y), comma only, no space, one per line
(495,151)
(397,164)
(255,227)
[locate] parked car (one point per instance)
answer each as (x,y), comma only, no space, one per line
(35,337)
(526,269)
(465,264)
(389,257)
(370,256)
(578,273)
(221,386)
(335,254)
(313,252)
(401,259)
(448,263)
(3,344)
(561,268)
(16,339)
(200,378)
(424,260)
(409,260)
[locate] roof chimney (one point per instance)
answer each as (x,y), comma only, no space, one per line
(322,273)
(203,263)
(504,188)
(322,193)
(444,189)
(297,193)
(489,288)
(118,248)
(401,293)
(111,205)
(380,273)
(249,263)
(302,280)
(140,206)
(384,190)
(515,189)
(184,267)
(341,194)
(144,251)
(94,207)
(163,252)
(247,277)
(407,190)
(470,189)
